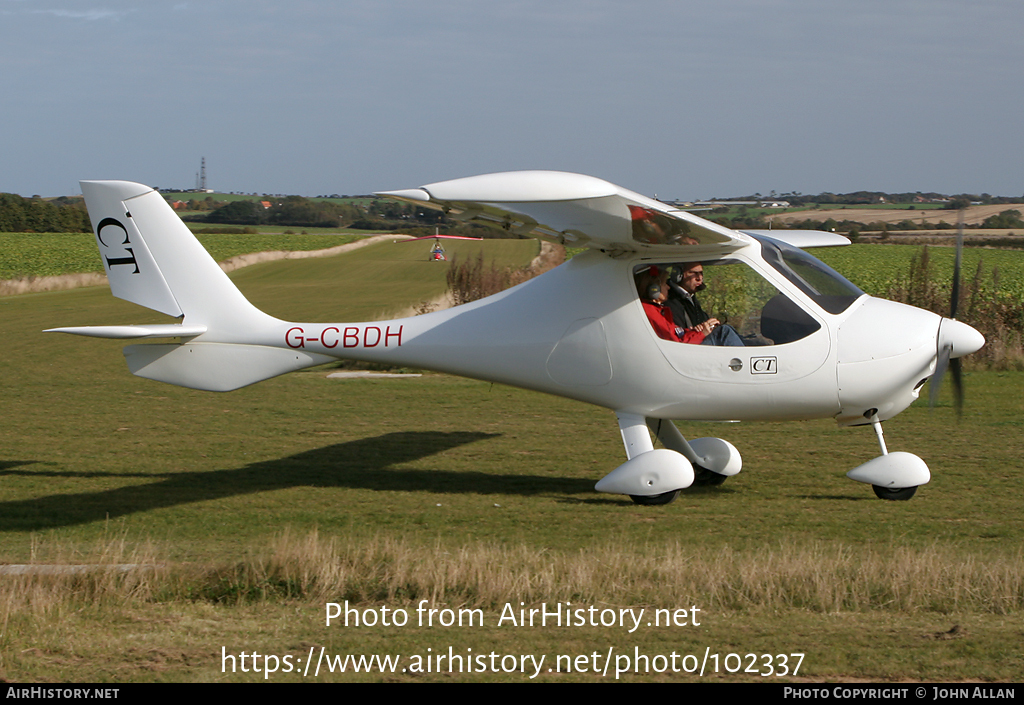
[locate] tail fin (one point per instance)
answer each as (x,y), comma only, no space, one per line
(153,260)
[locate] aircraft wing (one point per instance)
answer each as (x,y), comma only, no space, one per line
(575,210)
(803,238)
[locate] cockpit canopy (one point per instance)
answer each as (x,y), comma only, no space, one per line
(825,286)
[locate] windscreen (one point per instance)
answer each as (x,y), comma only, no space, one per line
(826,287)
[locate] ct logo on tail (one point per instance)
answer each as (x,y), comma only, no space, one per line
(112,261)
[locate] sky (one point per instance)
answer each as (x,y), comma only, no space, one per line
(673,98)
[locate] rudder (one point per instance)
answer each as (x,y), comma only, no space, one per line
(153,259)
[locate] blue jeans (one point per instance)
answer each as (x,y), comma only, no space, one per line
(723,335)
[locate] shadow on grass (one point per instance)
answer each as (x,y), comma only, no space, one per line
(6,464)
(363,464)
(705,492)
(838,497)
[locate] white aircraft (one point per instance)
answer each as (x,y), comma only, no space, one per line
(813,344)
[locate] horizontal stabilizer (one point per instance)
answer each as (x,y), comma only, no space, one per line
(122,332)
(215,367)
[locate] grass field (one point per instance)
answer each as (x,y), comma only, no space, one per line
(255,508)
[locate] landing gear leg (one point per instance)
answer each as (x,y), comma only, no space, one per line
(877,425)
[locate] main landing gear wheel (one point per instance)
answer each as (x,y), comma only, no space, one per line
(655,500)
(703,477)
(897,494)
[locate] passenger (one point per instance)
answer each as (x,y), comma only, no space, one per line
(687,310)
(653,288)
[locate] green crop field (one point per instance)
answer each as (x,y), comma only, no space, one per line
(202,229)
(227,197)
(250,511)
(47,254)
(876,268)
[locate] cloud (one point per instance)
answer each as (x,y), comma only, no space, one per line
(91,15)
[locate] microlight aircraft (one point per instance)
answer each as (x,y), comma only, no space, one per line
(814,345)
(437,249)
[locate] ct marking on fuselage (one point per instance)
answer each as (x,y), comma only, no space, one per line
(347,337)
(113,261)
(764,366)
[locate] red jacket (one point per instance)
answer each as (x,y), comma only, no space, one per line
(661,319)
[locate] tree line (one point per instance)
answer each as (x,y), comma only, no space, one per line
(826,198)
(35,215)
(379,214)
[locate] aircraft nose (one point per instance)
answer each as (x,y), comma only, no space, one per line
(961,338)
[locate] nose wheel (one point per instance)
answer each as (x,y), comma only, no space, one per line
(895,494)
(893,476)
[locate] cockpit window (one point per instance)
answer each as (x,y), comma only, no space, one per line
(827,287)
(749,310)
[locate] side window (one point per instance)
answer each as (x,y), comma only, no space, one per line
(731,292)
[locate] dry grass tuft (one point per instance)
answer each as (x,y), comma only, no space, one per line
(111,573)
(471,280)
(814,578)
(817,578)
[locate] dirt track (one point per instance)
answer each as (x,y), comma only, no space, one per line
(31,285)
(973,214)
(549,257)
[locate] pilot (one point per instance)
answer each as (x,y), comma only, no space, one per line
(688,312)
(653,287)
